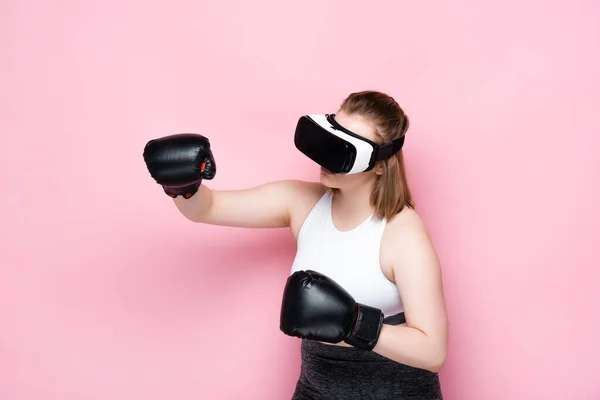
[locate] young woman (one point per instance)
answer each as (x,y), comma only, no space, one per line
(365,293)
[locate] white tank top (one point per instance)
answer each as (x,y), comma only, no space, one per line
(351,258)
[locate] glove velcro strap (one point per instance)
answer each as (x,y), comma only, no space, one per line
(367,327)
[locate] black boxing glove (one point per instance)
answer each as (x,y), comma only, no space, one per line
(179,163)
(315,307)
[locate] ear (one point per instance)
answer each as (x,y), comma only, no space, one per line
(378,168)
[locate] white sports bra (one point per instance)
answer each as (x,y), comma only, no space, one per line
(351,258)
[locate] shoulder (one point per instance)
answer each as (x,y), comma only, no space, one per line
(299,191)
(406,242)
(406,222)
(305,188)
(293,191)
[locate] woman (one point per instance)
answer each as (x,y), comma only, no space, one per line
(360,242)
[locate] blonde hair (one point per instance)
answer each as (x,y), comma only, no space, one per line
(390,193)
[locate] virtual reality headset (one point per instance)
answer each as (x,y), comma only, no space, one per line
(338,150)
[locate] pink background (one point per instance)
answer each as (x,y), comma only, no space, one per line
(106,292)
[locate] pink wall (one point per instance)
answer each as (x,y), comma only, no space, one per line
(107,293)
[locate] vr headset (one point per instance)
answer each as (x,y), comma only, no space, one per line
(335,148)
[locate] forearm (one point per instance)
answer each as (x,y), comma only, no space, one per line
(412,347)
(197,207)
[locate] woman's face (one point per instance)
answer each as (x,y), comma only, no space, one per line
(360,126)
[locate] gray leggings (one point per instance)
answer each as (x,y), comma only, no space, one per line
(335,372)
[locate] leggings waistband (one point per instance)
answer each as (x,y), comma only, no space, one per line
(337,372)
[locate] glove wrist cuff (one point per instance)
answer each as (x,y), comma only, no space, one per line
(184,191)
(367,327)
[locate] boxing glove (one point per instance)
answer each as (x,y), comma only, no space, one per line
(315,307)
(180,162)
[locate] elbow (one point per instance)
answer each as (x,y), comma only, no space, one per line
(437,361)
